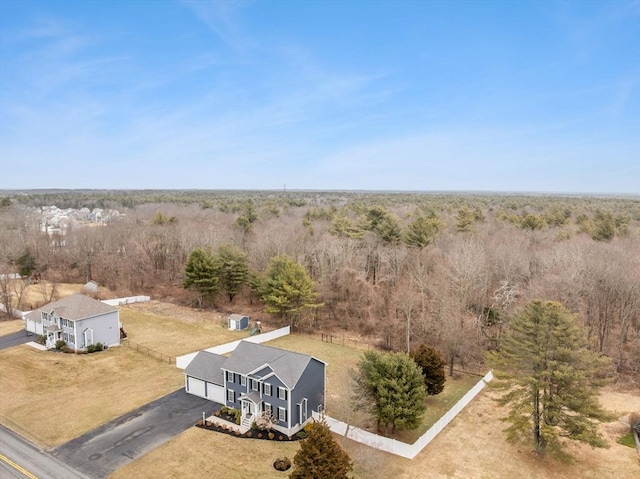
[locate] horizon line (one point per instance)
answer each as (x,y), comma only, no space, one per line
(318,190)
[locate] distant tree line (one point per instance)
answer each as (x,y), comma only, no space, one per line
(403,269)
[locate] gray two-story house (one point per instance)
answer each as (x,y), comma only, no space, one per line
(258,378)
(78,320)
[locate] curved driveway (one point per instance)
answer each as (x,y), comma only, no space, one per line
(109,447)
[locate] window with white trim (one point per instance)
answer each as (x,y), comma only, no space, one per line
(267,408)
(282,414)
(267,389)
(229,376)
(254,385)
(243,380)
(231,395)
(282,393)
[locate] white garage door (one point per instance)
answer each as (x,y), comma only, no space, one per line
(195,386)
(215,393)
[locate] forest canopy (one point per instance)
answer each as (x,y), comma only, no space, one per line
(401,269)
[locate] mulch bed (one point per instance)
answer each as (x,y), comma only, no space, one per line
(265,435)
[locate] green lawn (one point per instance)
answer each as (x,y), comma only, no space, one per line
(627,440)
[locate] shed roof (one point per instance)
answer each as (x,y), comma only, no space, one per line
(74,307)
(237,317)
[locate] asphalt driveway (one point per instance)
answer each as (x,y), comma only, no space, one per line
(14,339)
(109,447)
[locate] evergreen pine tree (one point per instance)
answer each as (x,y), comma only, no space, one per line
(394,388)
(200,275)
(232,270)
(26,263)
(432,365)
(320,456)
(422,231)
(550,377)
(287,289)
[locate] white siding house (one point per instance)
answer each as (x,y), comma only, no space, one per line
(78,320)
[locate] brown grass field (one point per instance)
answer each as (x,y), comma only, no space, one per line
(198,453)
(342,358)
(11,326)
(51,397)
(174,330)
(472,446)
(37,295)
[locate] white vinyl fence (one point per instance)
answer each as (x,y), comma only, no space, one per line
(14,312)
(397,447)
(127,300)
(110,302)
(183,361)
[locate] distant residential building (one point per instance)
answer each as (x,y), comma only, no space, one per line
(78,320)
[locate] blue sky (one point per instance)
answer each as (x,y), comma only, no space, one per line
(535,96)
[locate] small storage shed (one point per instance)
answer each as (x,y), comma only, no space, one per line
(238,322)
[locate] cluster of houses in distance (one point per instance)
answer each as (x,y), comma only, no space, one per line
(55,221)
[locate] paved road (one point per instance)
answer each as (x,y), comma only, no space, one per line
(14,339)
(109,447)
(21,459)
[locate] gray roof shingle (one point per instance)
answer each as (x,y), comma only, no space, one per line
(206,366)
(287,365)
(247,358)
(74,307)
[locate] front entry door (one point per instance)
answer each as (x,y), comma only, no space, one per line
(248,408)
(303,411)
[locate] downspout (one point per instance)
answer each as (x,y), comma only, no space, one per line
(289,415)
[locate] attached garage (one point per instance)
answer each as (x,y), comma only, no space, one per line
(204,378)
(205,389)
(215,393)
(197,387)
